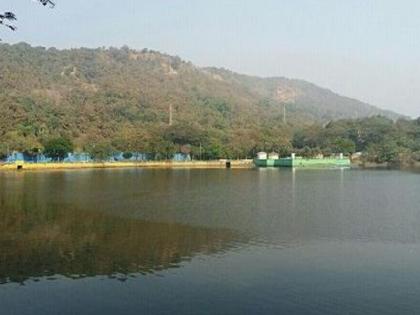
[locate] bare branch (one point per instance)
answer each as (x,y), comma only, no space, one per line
(7,17)
(47,2)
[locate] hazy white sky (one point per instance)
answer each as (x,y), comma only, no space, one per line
(366,49)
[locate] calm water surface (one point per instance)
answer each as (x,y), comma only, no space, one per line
(262,241)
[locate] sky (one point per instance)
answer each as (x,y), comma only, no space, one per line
(364,49)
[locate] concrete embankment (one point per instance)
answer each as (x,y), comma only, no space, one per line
(151,164)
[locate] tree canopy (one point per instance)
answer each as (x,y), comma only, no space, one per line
(378,138)
(58,148)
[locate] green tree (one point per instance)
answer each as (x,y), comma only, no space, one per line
(345,146)
(100,151)
(307,152)
(386,151)
(127,155)
(58,148)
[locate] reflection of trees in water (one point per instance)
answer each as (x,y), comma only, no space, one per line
(75,243)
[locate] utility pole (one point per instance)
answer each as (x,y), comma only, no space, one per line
(279,97)
(170,114)
(284,113)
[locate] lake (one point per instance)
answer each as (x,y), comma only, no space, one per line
(258,241)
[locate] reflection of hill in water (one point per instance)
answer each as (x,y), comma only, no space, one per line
(96,222)
(76,243)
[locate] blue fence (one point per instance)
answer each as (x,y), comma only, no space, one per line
(135,156)
(85,157)
(180,157)
(78,157)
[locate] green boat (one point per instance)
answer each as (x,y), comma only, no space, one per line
(321,162)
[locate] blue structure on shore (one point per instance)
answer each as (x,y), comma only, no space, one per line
(27,158)
(81,157)
(135,156)
(15,157)
(181,157)
(77,158)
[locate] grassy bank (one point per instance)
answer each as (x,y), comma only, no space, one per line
(151,164)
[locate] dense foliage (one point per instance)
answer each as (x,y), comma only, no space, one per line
(107,100)
(378,138)
(58,148)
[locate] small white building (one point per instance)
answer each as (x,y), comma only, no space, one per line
(262,156)
(356,155)
(273,156)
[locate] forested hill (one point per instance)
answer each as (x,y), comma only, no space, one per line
(315,103)
(122,97)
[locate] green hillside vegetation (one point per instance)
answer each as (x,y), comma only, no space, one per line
(378,138)
(108,99)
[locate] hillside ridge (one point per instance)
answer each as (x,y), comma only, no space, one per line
(123,97)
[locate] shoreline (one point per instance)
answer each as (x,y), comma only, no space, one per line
(234,164)
(412,165)
(215,164)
